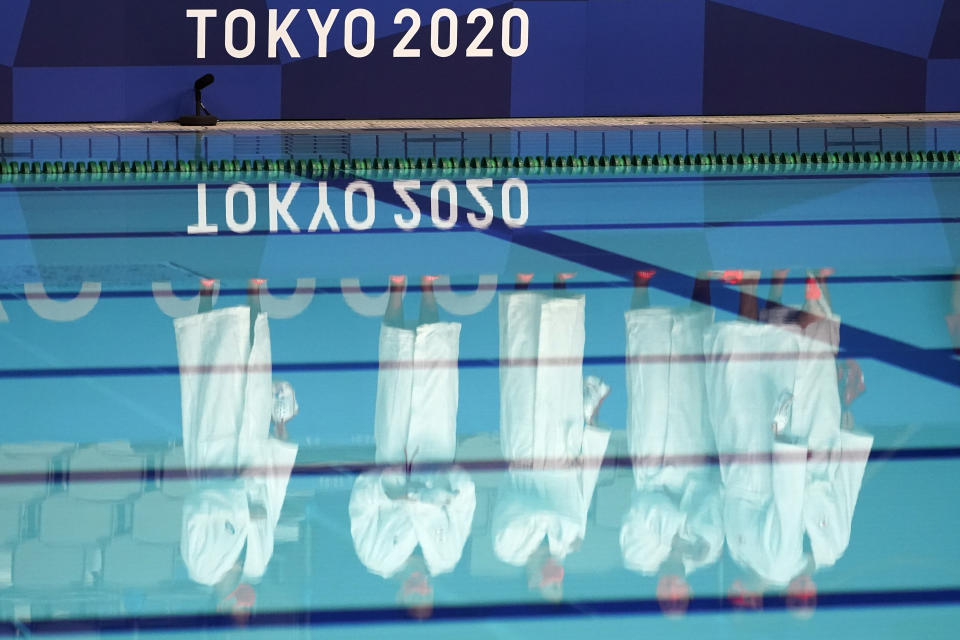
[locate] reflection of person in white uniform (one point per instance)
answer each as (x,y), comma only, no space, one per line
(548,433)
(953,318)
(407,524)
(816,321)
(791,465)
(674,525)
(228,402)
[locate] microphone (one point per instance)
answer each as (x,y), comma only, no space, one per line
(202,118)
(203,82)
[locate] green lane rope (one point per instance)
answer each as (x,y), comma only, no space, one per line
(741,162)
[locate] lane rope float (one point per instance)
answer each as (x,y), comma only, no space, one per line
(310,167)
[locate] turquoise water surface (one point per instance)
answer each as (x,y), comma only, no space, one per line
(97,496)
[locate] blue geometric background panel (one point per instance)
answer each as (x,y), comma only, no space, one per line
(136,61)
(903,25)
(945,42)
(943,90)
(551,81)
(645,54)
(6,94)
(11,25)
(114,33)
(756,64)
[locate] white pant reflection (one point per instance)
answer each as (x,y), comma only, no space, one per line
(227,404)
(394,512)
(789,468)
(674,524)
(555,455)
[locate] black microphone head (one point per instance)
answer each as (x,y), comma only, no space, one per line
(203,82)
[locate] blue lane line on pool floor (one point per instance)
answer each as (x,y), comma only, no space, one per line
(573,285)
(351,365)
(601,226)
(494,465)
(470,612)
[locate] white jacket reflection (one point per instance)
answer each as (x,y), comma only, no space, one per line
(542,428)
(416,421)
(226,398)
(767,377)
(677,497)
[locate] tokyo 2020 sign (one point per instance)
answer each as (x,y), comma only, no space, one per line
(120,60)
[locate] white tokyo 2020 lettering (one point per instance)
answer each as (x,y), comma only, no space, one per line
(359,210)
(359,32)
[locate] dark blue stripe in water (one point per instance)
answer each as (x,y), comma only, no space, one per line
(328,469)
(602,226)
(491,612)
(351,365)
(507,286)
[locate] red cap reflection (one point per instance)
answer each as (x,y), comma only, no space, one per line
(416,593)
(802,596)
(743,598)
(673,595)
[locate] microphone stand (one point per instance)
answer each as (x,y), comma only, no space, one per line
(202,117)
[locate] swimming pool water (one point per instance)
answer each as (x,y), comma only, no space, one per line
(483,449)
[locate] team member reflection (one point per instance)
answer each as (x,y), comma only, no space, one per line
(953,318)
(772,388)
(674,525)
(548,433)
(410,525)
(228,403)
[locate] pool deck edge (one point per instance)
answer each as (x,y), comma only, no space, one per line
(281,126)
